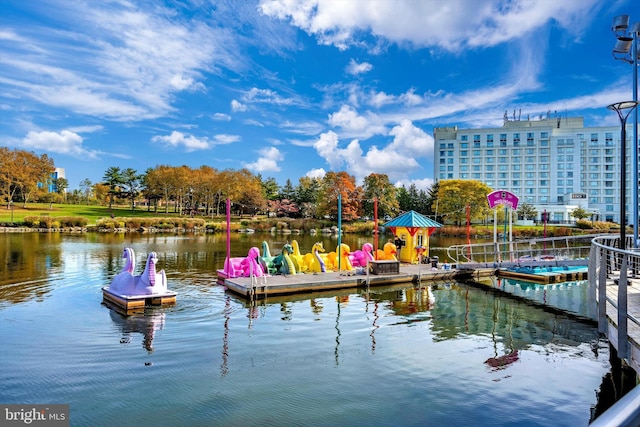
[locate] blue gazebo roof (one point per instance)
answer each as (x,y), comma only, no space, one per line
(412,219)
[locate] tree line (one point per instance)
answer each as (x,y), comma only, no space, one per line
(203,191)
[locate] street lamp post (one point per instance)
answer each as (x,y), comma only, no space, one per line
(623,109)
(626,49)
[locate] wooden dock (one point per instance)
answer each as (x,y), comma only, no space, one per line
(545,277)
(261,287)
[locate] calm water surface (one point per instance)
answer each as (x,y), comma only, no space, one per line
(445,355)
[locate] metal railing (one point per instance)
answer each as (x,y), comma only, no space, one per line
(550,248)
(611,266)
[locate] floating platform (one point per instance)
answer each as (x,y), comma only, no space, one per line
(261,287)
(543,276)
(134,302)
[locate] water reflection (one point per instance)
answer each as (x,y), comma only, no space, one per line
(325,358)
(146,322)
(26,261)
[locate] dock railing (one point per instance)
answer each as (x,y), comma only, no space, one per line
(540,249)
(610,266)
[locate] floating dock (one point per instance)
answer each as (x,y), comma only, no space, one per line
(135,302)
(261,287)
(543,276)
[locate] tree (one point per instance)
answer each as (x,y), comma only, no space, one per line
(61,185)
(131,184)
(31,173)
(7,168)
(270,188)
(307,190)
(404,201)
(432,200)
(527,211)
(287,191)
(101,192)
(86,188)
(343,184)
(580,213)
(454,195)
(113,178)
(378,186)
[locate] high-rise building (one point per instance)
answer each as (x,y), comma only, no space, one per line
(553,163)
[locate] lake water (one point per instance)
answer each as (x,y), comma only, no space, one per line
(449,354)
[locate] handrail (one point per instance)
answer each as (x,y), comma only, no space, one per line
(610,265)
(624,413)
(572,247)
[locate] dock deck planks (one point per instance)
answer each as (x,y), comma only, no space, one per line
(298,283)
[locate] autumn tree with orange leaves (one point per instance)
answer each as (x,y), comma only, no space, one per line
(23,173)
(343,184)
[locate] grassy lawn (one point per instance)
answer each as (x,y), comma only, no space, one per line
(92,213)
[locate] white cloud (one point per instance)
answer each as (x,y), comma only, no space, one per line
(355,68)
(447,25)
(421,184)
(114,60)
(222,117)
(316,173)
(177,139)
(267,162)
(355,124)
(181,83)
(64,142)
(237,106)
(226,138)
(398,159)
(268,96)
(327,147)
(411,140)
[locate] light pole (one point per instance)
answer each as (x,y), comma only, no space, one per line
(626,49)
(623,109)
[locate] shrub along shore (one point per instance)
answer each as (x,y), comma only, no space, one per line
(80,218)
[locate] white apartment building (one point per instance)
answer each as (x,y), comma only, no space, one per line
(553,163)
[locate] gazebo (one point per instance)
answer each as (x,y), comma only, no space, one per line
(413,230)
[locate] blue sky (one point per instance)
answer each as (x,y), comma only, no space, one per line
(289,88)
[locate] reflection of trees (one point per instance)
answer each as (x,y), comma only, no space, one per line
(26,263)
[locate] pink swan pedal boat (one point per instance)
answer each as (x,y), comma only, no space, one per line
(130,291)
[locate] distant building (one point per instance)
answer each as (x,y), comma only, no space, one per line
(57,173)
(554,163)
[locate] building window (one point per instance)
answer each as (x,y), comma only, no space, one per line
(464,137)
